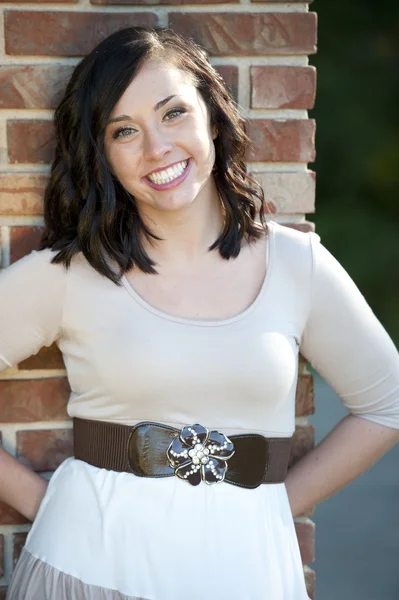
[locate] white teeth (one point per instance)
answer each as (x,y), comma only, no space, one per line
(168,174)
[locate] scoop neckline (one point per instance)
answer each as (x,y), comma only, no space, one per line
(213,322)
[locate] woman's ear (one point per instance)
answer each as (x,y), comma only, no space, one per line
(214,132)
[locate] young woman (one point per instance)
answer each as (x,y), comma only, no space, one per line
(180,314)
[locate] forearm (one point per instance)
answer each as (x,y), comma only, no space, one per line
(20,488)
(353,446)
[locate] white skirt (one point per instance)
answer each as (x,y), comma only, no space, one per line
(103,535)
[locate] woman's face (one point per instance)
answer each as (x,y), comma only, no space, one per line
(150,131)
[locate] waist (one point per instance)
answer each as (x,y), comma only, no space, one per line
(193,453)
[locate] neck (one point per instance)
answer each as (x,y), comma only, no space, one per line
(185,234)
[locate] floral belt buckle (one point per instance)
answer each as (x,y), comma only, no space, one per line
(198,454)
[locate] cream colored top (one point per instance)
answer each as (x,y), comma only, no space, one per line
(126,361)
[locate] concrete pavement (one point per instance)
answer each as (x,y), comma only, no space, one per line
(357,529)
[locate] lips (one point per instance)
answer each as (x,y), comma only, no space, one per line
(167,167)
(174,182)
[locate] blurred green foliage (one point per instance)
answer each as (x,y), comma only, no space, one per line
(357,143)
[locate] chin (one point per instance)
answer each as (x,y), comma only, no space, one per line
(172,206)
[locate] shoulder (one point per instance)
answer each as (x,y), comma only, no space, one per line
(37,263)
(292,236)
(41,263)
(32,277)
(292,246)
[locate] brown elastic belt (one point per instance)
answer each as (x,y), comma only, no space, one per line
(192,453)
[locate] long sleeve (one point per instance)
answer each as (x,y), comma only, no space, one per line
(31,299)
(346,343)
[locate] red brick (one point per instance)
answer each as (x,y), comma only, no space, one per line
(249,34)
(305,226)
(310,580)
(46,449)
(305,532)
(303,442)
(23,239)
(29,400)
(282,87)
(47,358)
(22,194)
(42,86)
(1,555)
(33,86)
(9,516)
(302,362)
(290,140)
(230,76)
(292,193)
(57,33)
(304,404)
(30,141)
(18,542)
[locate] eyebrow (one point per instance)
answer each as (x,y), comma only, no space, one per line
(158,105)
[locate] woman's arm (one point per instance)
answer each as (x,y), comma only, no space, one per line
(348,346)
(353,446)
(20,488)
(32,294)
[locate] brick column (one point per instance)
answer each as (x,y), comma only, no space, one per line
(261,50)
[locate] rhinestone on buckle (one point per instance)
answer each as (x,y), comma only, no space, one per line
(198,454)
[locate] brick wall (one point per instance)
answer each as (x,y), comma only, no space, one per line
(261,50)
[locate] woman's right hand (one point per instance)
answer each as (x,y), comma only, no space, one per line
(20,487)
(38,492)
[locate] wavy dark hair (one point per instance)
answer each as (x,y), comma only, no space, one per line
(86,209)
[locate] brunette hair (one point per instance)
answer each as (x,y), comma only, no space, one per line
(86,209)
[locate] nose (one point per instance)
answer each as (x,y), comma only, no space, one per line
(155,145)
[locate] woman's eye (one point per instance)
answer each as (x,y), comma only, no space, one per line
(122,132)
(125,132)
(177,111)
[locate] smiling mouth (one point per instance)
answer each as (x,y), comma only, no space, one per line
(169,174)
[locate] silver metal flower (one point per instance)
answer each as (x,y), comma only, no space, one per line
(198,454)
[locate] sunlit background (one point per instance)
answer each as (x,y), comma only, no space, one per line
(357,217)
